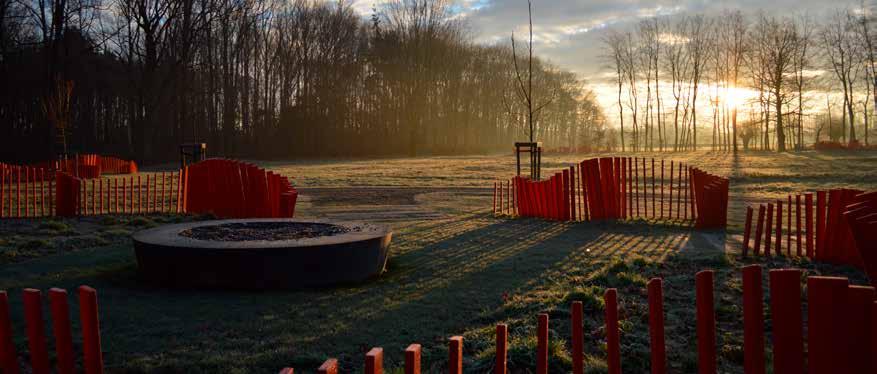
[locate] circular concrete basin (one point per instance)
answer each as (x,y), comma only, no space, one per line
(262,253)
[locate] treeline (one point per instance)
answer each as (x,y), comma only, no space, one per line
(266,79)
(757,81)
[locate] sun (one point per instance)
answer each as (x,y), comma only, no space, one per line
(736,97)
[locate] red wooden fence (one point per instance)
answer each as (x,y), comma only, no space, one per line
(92,356)
(234,189)
(26,191)
(90,166)
(840,322)
(833,233)
(618,188)
(225,188)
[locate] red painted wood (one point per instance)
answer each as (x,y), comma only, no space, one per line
(858,317)
(753,321)
(706,323)
(747,230)
(759,229)
(768,229)
(374,361)
(542,344)
(798,236)
(789,226)
(62,331)
(662,188)
(502,349)
(576,322)
(330,366)
(8,356)
(786,319)
(656,326)
(36,335)
(613,344)
(827,297)
(654,211)
(808,223)
(455,355)
(778,248)
(92,356)
(820,225)
(412,359)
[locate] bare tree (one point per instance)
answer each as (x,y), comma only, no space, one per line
(526,90)
(839,44)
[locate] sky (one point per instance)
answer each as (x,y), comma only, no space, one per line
(568,32)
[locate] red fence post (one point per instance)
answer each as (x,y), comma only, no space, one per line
(8,357)
(654,212)
(494,197)
(827,297)
(789,224)
(613,343)
(330,366)
(36,336)
(747,231)
(139,195)
(374,361)
(455,355)
(706,323)
(636,185)
(92,357)
(858,317)
(808,222)
(502,336)
(61,329)
(578,355)
(768,228)
(163,192)
(2,190)
(670,207)
(820,225)
(542,344)
(656,326)
(759,228)
(798,244)
(17,192)
(753,321)
(412,359)
(785,306)
(662,188)
(778,248)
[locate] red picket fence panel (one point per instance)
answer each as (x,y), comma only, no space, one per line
(838,233)
(89,166)
(610,188)
(234,189)
(25,192)
(92,356)
(710,199)
(840,321)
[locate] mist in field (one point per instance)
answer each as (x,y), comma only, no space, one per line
(305,78)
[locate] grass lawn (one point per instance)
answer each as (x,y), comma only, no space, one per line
(454,269)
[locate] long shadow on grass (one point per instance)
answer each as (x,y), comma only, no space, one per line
(444,278)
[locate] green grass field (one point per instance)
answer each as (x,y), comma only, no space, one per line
(454,270)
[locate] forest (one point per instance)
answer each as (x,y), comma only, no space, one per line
(745,81)
(267,79)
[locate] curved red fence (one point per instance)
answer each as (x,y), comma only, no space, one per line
(90,166)
(619,188)
(836,228)
(235,189)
